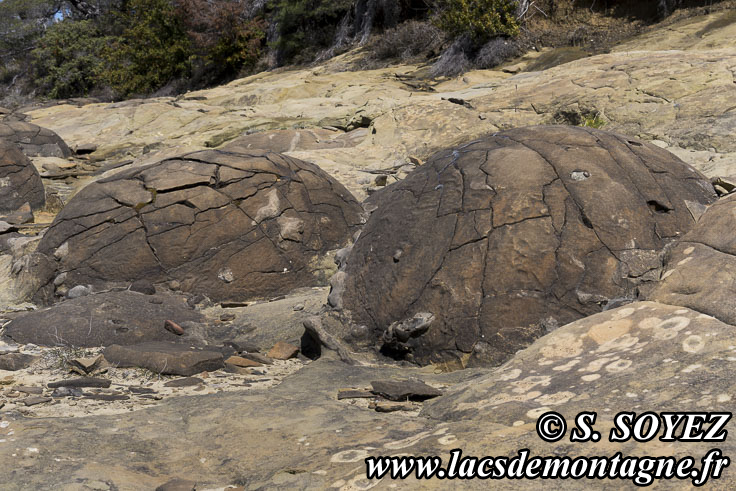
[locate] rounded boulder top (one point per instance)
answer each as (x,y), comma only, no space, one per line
(33,140)
(493,243)
(232,226)
(20,182)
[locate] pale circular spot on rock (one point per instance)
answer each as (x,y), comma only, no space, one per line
(407,442)
(674,323)
(723,398)
(518,423)
(693,344)
(360,482)
(681,311)
(349,456)
(622,343)
(607,331)
(685,261)
(510,374)
(567,366)
(591,377)
(689,250)
(565,345)
(650,322)
(619,366)
(555,399)
(623,312)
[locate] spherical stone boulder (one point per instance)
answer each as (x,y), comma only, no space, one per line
(231,226)
(493,243)
(700,268)
(33,140)
(19,180)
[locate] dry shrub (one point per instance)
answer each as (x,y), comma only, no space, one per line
(497,51)
(407,40)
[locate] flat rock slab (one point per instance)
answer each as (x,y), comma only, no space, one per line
(106,397)
(16,361)
(80,382)
(34,400)
(283,351)
(184,382)
(404,390)
(165,358)
(101,320)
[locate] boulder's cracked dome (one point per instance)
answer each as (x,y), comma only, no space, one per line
(33,140)
(493,243)
(232,226)
(19,180)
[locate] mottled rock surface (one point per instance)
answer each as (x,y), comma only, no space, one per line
(34,140)
(166,358)
(282,141)
(228,225)
(510,236)
(700,270)
(101,320)
(20,182)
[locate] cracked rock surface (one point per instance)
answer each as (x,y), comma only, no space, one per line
(232,226)
(19,180)
(507,237)
(33,140)
(700,269)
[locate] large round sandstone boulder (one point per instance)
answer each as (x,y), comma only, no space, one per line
(33,140)
(231,226)
(700,268)
(491,244)
(19,180)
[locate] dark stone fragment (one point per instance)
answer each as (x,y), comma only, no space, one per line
(80,382)
(165,358)
(404,390)
(184,382)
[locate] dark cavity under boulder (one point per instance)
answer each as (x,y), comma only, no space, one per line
(103,319)
(33,140)
(232,226)
(493,243)
(20,182)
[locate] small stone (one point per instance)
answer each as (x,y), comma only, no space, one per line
(60,279)
(6,347)
(404,390)
(239,361)
(390,407)
(143,286)
(173,327)
(105,397)
(298,307)
(178,485)
(141,390)
(354,394)
(78,291)
(85,148)
(233,305)
(66,392)
(227,317)
(29,390)
(230,368)
(22,215)
(257,357)
(184,382)
(86,365)
(80,382)
(283,351)
(33,400)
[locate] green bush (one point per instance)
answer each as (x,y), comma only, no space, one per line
(479,19)
(68,61)
(305,26)
(151,50)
